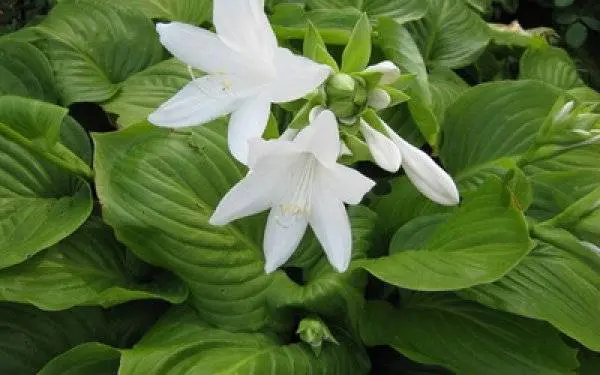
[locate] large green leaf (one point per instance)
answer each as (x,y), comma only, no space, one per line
(85,359)
(87,268)
(29,338)
(451,35)
(557,282)
(158,189)
(40,201)
(25,71)
(188,11)
(182,343)
(477,142)
(94,46)
(290,21)
(479,243)
(400,10)
(143,92)
(467,338)
(551,65)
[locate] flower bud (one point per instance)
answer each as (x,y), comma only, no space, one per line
(346,96)
(313,331)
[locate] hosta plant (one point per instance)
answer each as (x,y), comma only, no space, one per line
(295,187)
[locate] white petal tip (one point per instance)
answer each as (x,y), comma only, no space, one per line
(217,221)
(270,268)
(342,267)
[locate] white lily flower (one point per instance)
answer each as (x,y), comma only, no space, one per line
(246,72)
(428,177)
(390,72)
(384,151)
(303,184)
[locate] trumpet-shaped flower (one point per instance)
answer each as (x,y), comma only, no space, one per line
(246,72)
(302,183)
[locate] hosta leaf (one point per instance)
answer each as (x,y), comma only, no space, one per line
(451,35)
(40,201)
(400,10)
(467,338)
(25,71)
(141,93)
(93,47)
(29,338)
(290,21)
(188,11)
(557,282)
(87,268)
(182,343)
(590,363)
(478,142)
(85,359)
(458,250)
(551,65)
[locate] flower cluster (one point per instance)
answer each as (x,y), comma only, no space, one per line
(298,176)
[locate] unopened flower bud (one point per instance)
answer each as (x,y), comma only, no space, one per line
(346,96)
(313,331)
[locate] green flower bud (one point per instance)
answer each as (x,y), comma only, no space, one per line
(346,96)
(313,331)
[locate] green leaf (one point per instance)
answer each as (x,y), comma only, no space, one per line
(93,47)
(399,46)
(29,338)
(25,71)
(290,21)
(181,342)
(187,11)
(576,35)
(85,359)
(591,22)
(467,338)
(558,282)
(477,143)
(143,92)
(315,49)
(355,57)
(550,65)
(400,10)
(87,268)
(590,362)
(40,201)
(458,250)
(451,35)
(563,3)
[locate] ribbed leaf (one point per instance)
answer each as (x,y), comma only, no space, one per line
(400,10)
(93,47)
(85,359)
(141,93)
(182,343)
(467,338)
(451,35)
(87,268)
(477,142)
(188,11)
(29,338)
(455,251)
(25,71)
(550,65)
(557,282)
(40,201)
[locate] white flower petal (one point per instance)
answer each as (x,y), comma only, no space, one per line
(431,180)
(379,99)
(344,150)
(314,112)
(321,138)
(296,76)
(390,72)
(289,134)
(248,197)
(275,151)
(204,50)
(347,184)
(384,151)
(200,101)
(244,25)
(282,236)
(331,225)
(246,123)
